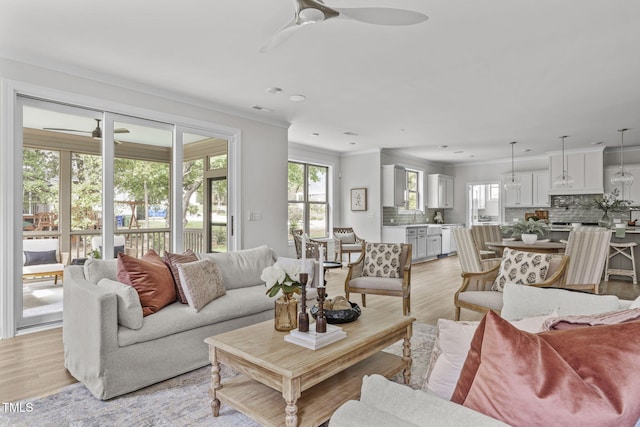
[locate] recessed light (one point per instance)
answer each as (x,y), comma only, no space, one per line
(597,143)
(442,146)
(402,130)
(458,152)
(349,133)
(526,150)
(315,134)
(297,98)
(274,90)
(263,109)
(352,143)
(472,155)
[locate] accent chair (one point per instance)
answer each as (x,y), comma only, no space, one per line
(347,242)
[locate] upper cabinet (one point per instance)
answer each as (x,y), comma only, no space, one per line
(630,193)
(533,191)
(586,167)
(394,185)
(440,191)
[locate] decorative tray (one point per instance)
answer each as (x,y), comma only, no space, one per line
(339,316)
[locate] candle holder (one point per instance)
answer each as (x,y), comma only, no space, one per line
(303,316)
(321,320)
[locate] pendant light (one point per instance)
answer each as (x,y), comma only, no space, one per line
(623,177)
(563,180)
(514,181)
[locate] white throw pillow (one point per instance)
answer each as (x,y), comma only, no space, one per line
(129,307)
(451,348)
(635,303)
(201,281)
(522,268)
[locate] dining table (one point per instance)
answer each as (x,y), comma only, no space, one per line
(545,246)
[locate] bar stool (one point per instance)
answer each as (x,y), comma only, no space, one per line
(621,249)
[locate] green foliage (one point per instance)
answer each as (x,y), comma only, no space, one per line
(531,226)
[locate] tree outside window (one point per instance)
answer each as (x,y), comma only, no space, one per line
(308,199)
(413,191)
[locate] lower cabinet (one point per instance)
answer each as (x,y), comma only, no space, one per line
(423,246)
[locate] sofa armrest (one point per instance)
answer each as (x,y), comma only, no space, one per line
(90,326)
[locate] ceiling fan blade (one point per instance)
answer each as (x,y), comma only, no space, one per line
(121,130)
(382,15)
(67,130)
(281,36)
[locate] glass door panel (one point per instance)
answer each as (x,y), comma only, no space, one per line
(59,171)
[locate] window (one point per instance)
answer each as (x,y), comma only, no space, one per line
(413,190)
(308,199)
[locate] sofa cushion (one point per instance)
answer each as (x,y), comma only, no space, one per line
(150,277)
(40,257)
(172,260)
(201,281)
(522,268)
(242,268)
(582,376)
(382,260)
(129,307)
(527,301)
(451,347)
(176,317)
(98,269)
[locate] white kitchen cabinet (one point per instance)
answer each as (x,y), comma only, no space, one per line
(631,193)
(440,191)
(421,252)
(522,197)
(394,185)
(585,167)
(533,191)
(541,185)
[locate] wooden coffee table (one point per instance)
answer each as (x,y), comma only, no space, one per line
(285,384)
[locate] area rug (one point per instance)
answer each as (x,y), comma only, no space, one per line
(180,401)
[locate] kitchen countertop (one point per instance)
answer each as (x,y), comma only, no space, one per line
(630,230)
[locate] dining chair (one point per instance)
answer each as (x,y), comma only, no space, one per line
(483,234)
(347,242)
(312,246)
(382,269)
(588,249)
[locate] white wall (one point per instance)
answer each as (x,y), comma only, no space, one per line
(362,170)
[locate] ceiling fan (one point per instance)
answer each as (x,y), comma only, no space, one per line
(315,11)
(96,133)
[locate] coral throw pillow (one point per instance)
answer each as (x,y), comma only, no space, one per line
(172,260)
(522,268)
(585,377)
(150,277)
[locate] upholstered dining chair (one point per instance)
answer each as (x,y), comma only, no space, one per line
(483,234)
(382,269)
(588,249)
(478,276)
(346,242)
(312,246)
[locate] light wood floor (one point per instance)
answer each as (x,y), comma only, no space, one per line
(32,365)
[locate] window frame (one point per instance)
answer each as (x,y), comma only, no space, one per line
(420,196)
(305,199)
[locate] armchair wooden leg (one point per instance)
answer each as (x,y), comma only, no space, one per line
(457,316)
(406,306)
(364,300)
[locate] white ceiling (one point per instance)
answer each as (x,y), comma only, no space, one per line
(475,76)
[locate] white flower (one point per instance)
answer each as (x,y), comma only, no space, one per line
(274,274)
(293,270)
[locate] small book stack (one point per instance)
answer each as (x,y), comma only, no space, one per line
(314,340)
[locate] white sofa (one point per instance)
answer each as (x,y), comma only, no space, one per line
(111,359)
(385,403)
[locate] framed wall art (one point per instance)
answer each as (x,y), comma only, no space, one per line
(358,199)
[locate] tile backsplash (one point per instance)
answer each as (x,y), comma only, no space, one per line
(391,216)
(576,208)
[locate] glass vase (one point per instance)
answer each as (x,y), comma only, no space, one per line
(605,221)
(286,313)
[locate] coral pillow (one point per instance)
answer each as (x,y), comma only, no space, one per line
(150,277)
(585,377)
(172,260)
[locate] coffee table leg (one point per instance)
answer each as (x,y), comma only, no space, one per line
(215,381)
(406,355)
(291,393)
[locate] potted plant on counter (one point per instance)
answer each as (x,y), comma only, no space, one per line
(610,202)
(528,230)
